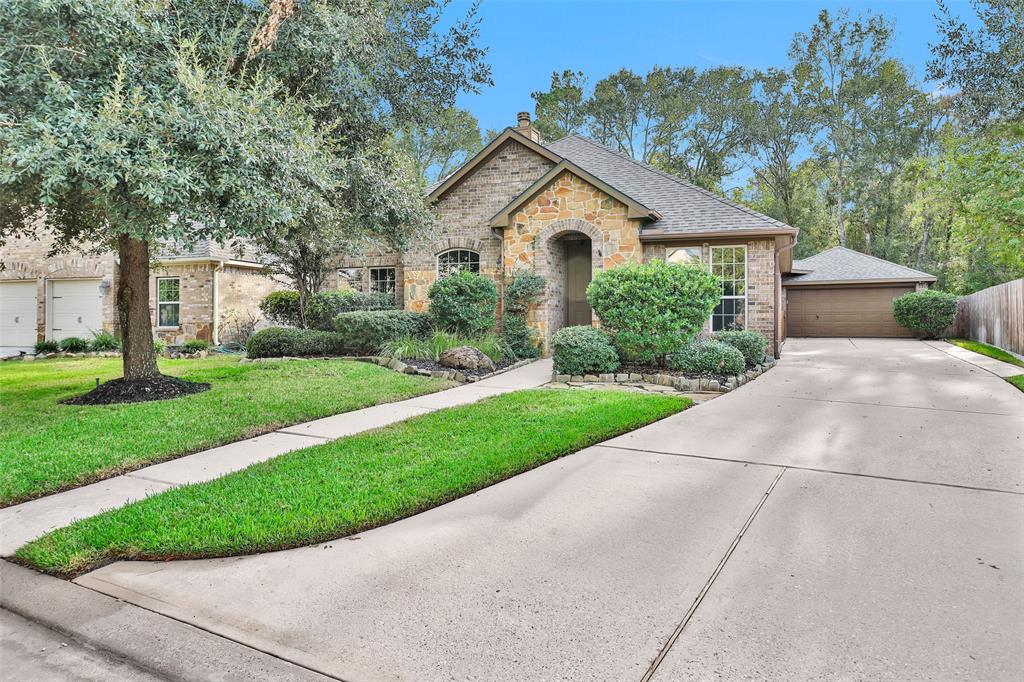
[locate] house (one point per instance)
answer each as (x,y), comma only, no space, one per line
(204,292)
(571,208)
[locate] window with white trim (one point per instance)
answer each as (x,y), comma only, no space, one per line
(382,280)
(168,301)
(457,260)
(685,255)
(729,263)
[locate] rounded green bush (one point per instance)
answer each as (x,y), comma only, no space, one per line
(73,344)
(282,307)
(277,342)
(752,344)
(364,332)
(464,302)
(706,356)
(928,311)
(583,350)
(653,309)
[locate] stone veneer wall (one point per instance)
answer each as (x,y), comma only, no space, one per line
(27,259)
(760,278)
(463,216)
(568,207)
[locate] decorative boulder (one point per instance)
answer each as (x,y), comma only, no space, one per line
(465,357)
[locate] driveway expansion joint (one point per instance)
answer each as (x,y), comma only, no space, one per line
(902,407)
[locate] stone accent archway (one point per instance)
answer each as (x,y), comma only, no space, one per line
(549,262)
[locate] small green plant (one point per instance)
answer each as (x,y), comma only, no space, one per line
(930,312)
(431,347)
(195,346)
(159,346)
(652,309)
(583,350)
(105,342)
(752,344)
(706,356)
(47,347)
(73,344)
(464,302)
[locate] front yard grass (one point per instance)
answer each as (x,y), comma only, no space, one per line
(1017,381)
(346,486)
(990,351)
(47,447)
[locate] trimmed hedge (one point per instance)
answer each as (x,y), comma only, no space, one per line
(464,302)
(277,342)
(653,309)
(364,332)
(282,307)
(706,356)
(583,350)
(752,344)
(928,311)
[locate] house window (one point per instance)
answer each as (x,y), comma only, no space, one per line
(350,278)
(456,260)
(730,264)
(168,302)
(382,280)
(685,255)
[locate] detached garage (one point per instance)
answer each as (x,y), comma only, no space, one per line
(841,292)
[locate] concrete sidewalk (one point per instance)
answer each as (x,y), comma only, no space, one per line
(29,520)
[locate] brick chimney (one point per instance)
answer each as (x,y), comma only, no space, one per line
(524,127)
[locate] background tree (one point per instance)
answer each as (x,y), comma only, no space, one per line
(127,122)
(560,110)
(443,144)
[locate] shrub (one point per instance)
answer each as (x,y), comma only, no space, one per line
(104,342)
(47,347)
(751,344)
(523,289)
(195,345)
(159,346)
(431,347)
(707,356)
(325,306)
(583,350)
(928,311)
(464,302)
(365,331)
(653,309)
(277,342)
(73,344)
(282,307)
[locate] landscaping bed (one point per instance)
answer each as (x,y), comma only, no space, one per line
(685,382)
(352,484)
(48,446)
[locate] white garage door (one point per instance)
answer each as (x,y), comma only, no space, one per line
(76,308)
(17,316)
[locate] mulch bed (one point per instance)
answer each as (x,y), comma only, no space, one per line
(434,366)
(635,368)
(118,391)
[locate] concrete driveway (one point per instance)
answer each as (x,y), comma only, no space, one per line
(857,512)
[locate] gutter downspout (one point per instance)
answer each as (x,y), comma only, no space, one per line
(777,350)
(216,302)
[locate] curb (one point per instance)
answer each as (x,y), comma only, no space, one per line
(160,645)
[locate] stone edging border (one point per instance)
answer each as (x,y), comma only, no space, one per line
(403,368)
(681,384)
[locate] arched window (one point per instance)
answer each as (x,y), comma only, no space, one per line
(455,260)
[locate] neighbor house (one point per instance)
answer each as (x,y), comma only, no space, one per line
(204,292)
(570,208)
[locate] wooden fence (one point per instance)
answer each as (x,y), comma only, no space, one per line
(994,316)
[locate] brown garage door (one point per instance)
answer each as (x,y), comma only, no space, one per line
(843,312)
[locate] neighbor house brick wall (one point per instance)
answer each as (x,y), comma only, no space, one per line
(463,214)
(569,207)
(27,259)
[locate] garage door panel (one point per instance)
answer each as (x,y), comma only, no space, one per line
(76,308)
(860,312)
(18,313)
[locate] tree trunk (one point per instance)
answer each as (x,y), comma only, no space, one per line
(138,356)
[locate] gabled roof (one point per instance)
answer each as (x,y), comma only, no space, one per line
(685,208)
(636,209)
(841,265)
(205,249)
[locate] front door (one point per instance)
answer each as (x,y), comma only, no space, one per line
(577,277)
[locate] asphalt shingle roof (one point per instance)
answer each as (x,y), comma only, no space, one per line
(684,207)
(205,248)
(840,264)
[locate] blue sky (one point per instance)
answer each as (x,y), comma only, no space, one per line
(528,39)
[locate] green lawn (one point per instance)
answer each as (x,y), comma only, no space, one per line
(1017,381)
(47,447)
(352,484)
(990,351)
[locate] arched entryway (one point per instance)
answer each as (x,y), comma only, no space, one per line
(570,255)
